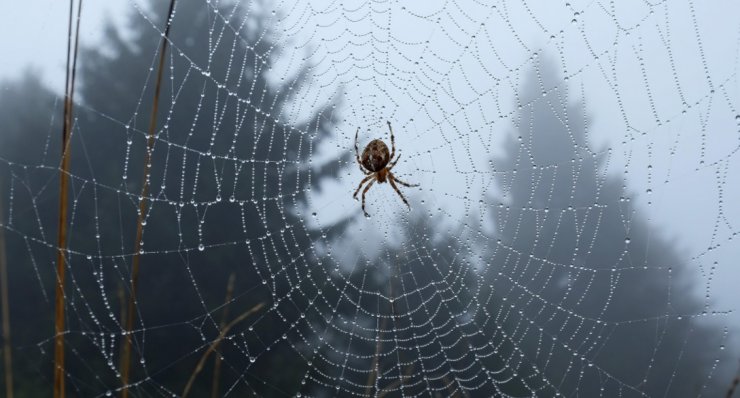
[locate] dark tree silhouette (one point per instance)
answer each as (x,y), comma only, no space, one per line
(230,173)
(28,187)
(598,298)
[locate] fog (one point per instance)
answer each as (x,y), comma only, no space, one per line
(508,116)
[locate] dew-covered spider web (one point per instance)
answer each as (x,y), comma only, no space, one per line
(574,232)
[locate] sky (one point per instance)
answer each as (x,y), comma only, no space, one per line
(43,26)
(682,57)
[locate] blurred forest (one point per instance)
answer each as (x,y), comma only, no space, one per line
(573,293)
(578,258)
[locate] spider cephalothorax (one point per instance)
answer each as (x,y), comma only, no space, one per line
(376,163)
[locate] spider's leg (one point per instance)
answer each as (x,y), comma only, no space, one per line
(363,196)
(393,163)
(357,150)
(393,140)
(392,180)
(406,184)
(357,156)
(364,180)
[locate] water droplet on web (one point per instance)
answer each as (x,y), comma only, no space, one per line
(201,247)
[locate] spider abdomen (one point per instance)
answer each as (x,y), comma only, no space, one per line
(375,156)
(374,163)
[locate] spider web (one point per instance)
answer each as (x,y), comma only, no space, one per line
(571,234)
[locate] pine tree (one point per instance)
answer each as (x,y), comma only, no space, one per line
(609,299)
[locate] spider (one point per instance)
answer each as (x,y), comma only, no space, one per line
(374,163)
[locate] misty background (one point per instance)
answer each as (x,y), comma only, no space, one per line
(572,234)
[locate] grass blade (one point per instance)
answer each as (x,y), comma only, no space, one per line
(7,354)
(212,347)
(131,310)
(59,390)
(224,318)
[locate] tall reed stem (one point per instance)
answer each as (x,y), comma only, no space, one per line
(374,367)
(59,390)
(224,318)
(212,347)
(733,385)
(143,205)
(7,354)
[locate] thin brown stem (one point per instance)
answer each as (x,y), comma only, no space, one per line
(7,354)
(397,383)
(215,343)
(121,295)
(448,386)
(454,393)
(733,385)
(375,367)
(222,326)
(59,305)
(143,205)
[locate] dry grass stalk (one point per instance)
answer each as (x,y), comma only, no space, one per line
(7,354)
(398,383)
(143,205)
(448,386)
(733,385)
(59,390)
(212,347)
(374,368)
(224,317)
(376,358)
(121,296)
